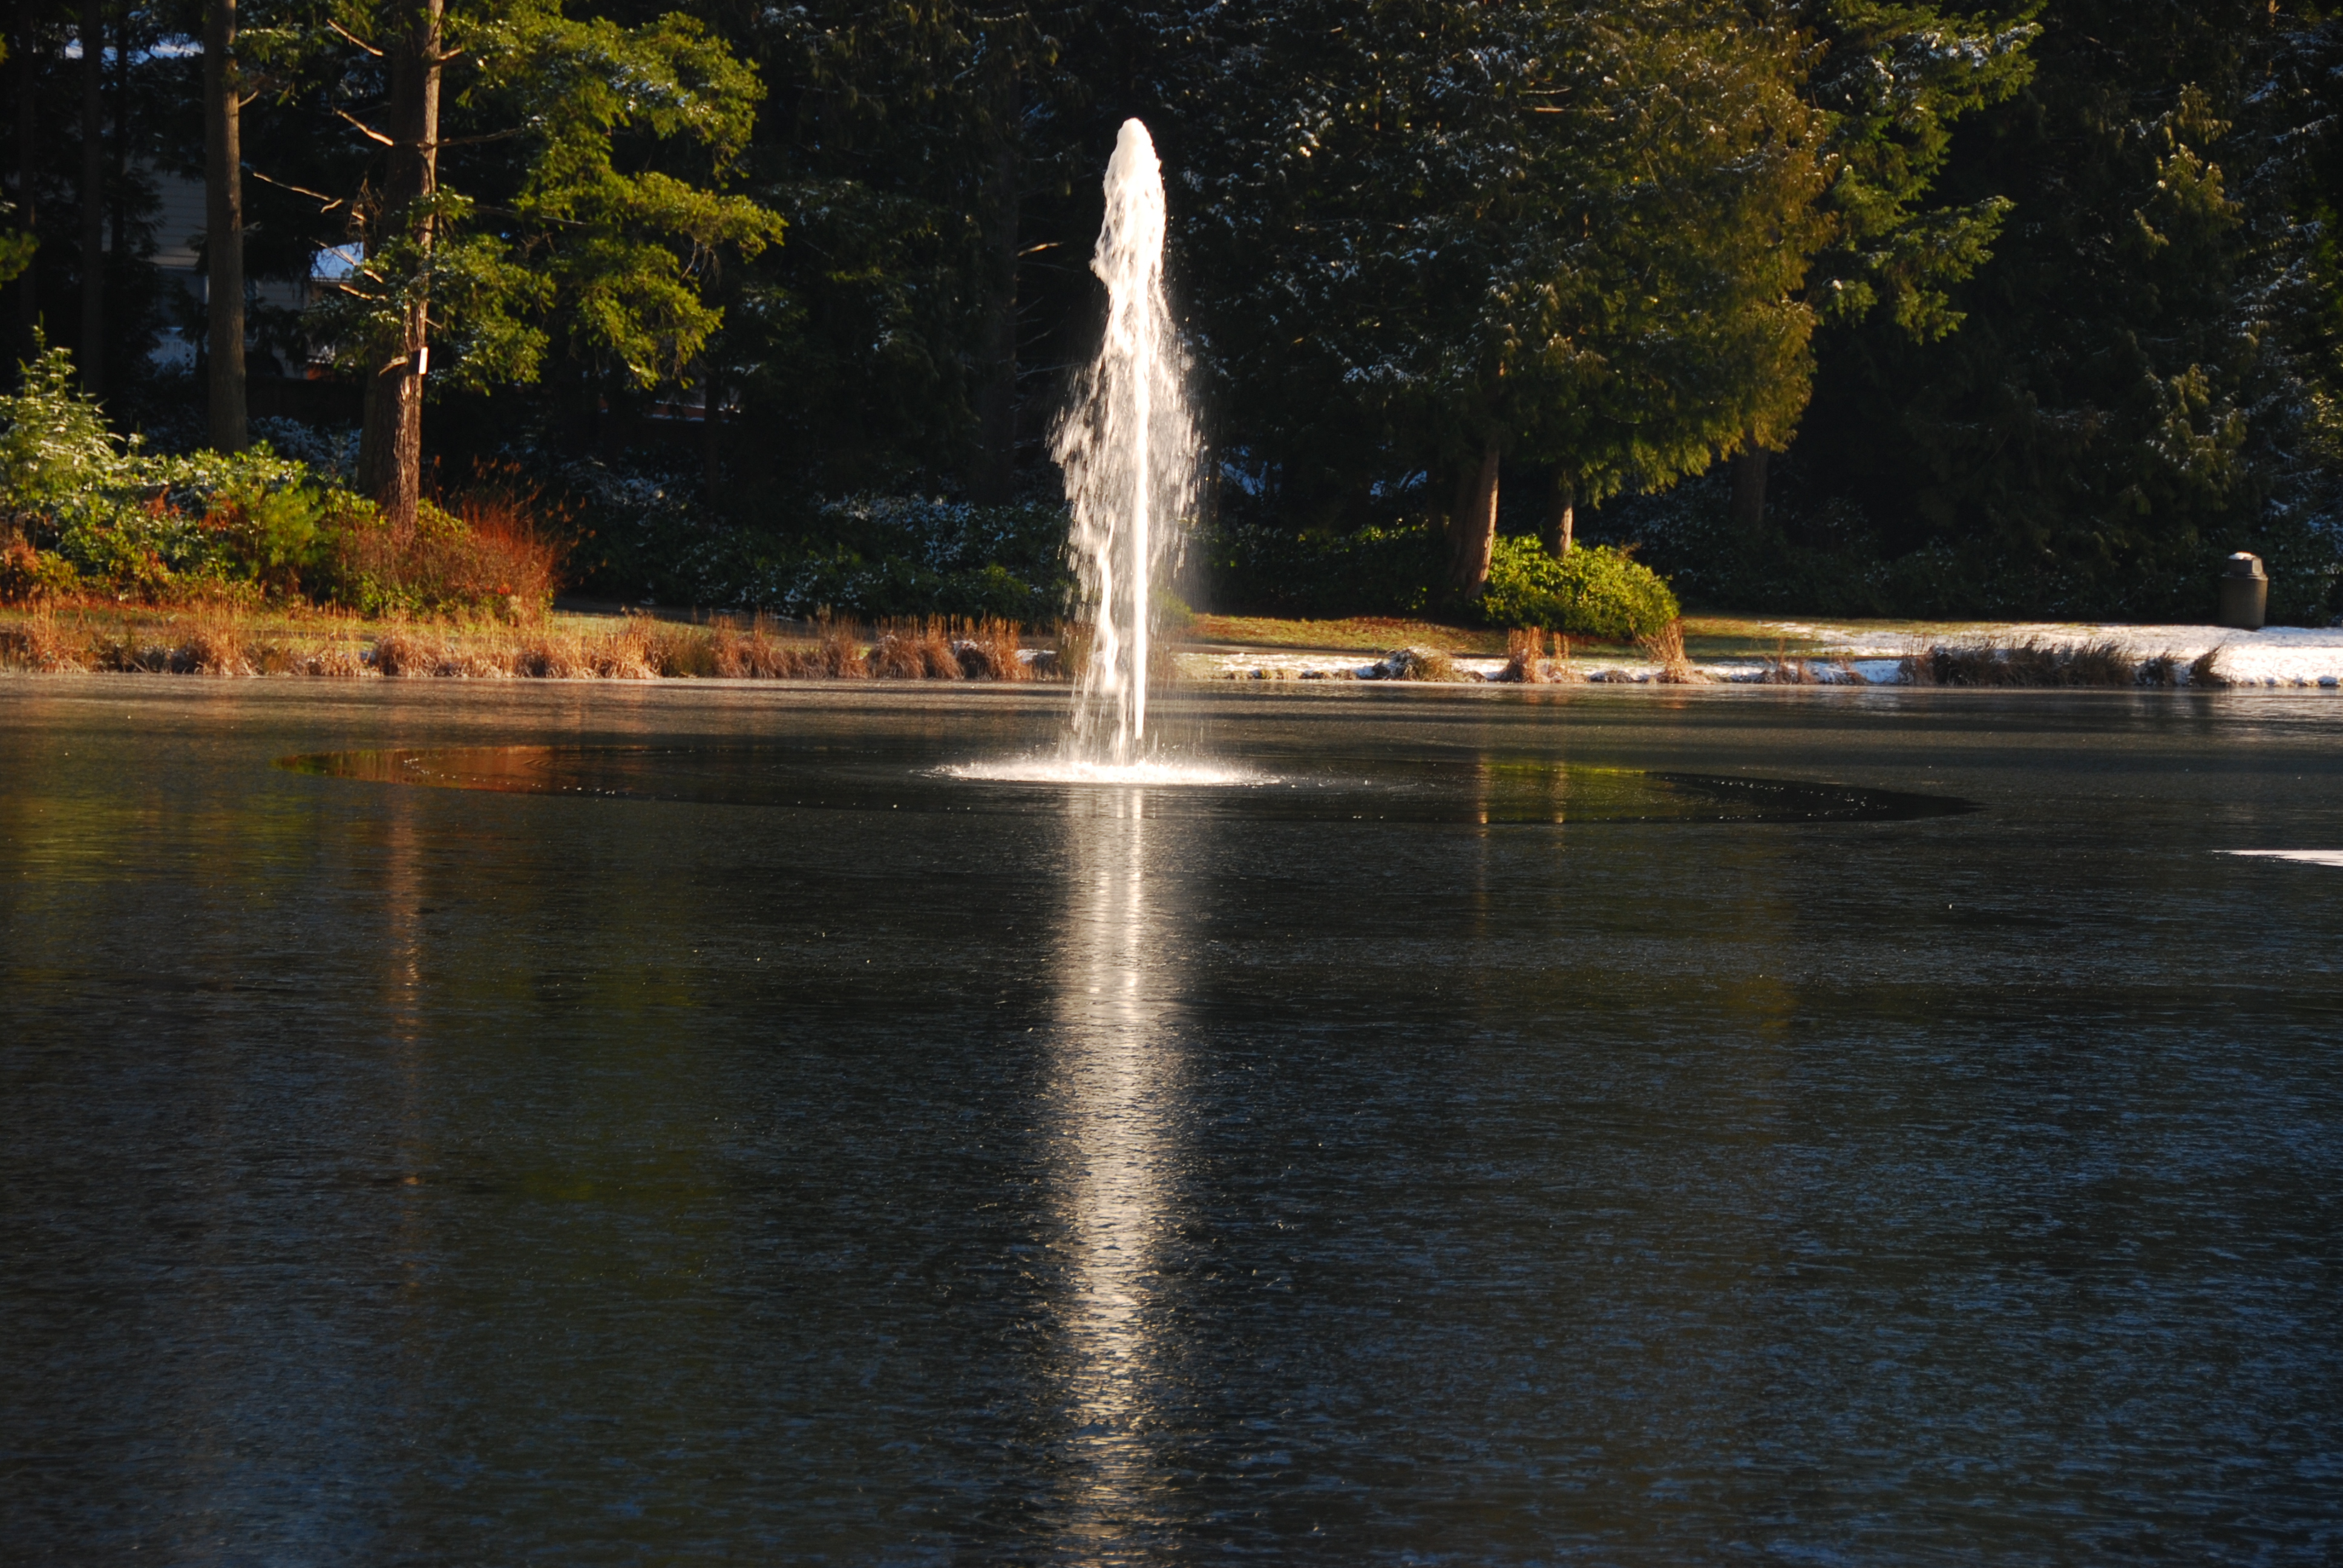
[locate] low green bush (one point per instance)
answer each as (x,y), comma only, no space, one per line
(646,539)
(1594,591)
(53,443)
(441,567)
(1250,568)
(84,511)
(118,519)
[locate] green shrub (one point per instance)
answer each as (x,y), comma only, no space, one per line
(118,519)
(495,562)
(53,443)
(160,526)
(1374,570)
(271,535)
(27,573)
(1594,591)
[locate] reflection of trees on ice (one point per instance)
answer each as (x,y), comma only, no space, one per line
(1114,1080)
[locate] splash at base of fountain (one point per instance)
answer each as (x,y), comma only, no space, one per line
(1050,768)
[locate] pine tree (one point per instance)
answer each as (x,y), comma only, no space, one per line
(2126,391)
(495,220)
(1892,78)
(911,143)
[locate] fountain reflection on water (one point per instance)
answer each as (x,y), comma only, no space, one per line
(1115,1081)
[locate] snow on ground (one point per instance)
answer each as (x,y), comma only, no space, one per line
(2292,657)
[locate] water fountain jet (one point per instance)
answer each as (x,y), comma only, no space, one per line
(1128,447)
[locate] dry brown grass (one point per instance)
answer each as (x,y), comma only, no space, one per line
(224,639)
(36,643)
(1075,639)
(756,654)
(677,652)
(552,655)
(625,652)
(915,651)
(837,650)
(2035,663)
(1781,670)
(399,651)
(215,645)
(1665,647)
(1428,664)
(212,637)
(1527,663)
(988,649)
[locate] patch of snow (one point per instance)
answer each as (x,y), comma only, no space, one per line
(2277,657)
(2307,856)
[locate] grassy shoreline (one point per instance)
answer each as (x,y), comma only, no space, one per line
(614,643)
(231,641)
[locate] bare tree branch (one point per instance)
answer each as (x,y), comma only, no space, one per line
(354,39)
(330,202)
(370,133)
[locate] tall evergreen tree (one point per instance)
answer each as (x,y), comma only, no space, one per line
(224,98)
(1439,232)
(1892,79)
(495,218)
(17,244)
(2117,409)
(911,143)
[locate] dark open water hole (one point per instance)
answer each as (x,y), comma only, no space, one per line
(622,1162)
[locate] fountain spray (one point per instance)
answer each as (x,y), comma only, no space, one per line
(1127,446)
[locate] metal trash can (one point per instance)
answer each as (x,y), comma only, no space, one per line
(2245,593)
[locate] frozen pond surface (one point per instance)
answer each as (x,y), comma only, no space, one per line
(699,1128)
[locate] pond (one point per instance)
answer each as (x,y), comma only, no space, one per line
(599,1124)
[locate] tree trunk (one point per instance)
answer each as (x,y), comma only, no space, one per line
(390,443)
(1473,528)
(995,475)
(121,133)
(711,455)
(1749,490)
(28,295)
(1561,515)
(224,227)
(93,200)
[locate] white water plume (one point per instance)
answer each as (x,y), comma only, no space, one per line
(1127,446)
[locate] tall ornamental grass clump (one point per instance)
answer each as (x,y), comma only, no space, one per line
(1594,591)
